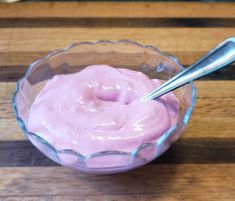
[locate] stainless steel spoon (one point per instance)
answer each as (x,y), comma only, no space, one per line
(217,58)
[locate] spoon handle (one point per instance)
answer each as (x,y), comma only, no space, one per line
(215,59)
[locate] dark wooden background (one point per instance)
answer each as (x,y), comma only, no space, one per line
(200,166)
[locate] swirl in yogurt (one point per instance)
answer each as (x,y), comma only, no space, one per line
(99,109)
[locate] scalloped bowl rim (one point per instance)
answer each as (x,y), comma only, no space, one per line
(158,142)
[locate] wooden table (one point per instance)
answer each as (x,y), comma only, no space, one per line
(200,166)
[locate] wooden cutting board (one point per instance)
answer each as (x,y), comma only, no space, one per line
(200,166)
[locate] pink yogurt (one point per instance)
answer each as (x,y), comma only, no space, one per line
(98,109)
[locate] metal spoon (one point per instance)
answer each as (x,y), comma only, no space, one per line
(217,58)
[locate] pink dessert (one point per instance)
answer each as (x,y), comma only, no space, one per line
(98,109)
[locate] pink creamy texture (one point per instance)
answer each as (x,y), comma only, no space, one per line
(98,109)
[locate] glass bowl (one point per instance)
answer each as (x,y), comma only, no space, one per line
(118,54)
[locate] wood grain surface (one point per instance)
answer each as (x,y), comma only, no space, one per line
(19,46)
(176,182)
(119,10)
(199,166)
